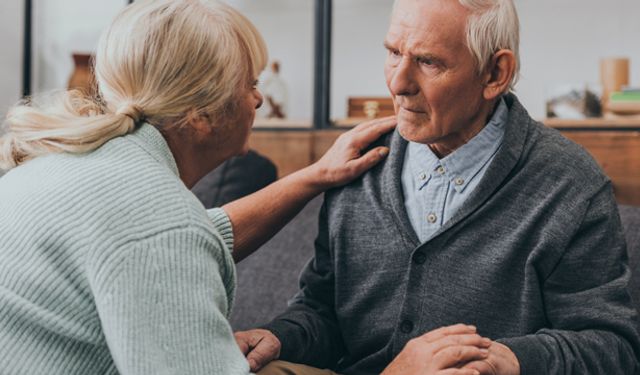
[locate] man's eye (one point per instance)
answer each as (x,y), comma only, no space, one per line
(394,52)
(426,61)
(254,84)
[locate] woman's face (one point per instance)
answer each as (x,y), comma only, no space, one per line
(239,124)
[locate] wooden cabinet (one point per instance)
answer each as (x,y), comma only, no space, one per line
(614,144)
(618,153)
(291,150)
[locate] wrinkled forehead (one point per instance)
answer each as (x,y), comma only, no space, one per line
(431,22)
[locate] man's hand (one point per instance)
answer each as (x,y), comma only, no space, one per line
(259,346)
(501,361)
(441,351)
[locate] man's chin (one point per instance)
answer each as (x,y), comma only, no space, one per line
(413,133)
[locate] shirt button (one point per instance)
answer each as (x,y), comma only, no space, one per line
(406,326)
(432,218)
(440,170)
(419,257)
(459,181)
(423,176)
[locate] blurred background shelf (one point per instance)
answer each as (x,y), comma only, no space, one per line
(613,142)
(276,123)
(603,124)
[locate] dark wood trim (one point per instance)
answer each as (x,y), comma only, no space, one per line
(27,56)
(322,64)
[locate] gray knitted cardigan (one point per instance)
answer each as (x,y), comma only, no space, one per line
(535,259)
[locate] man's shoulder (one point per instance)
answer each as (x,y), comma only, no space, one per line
(559,155)
(373,183)
(548,151)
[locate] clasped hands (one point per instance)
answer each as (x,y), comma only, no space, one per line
(452,350)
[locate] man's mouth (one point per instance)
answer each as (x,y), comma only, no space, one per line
(412,110)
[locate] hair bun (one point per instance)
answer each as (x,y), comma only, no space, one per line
(132,111)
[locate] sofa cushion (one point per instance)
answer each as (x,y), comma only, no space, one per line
(235,178)
(269,278)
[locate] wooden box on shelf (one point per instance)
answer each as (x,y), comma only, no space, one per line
(370,106)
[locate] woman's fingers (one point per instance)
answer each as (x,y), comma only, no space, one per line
(372,123)
(365,162)
(344,161)
(368,132)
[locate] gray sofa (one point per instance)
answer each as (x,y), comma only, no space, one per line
(268,278)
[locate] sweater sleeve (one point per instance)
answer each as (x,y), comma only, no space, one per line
(221,221)
(163,304)
(308,329)
(593,324)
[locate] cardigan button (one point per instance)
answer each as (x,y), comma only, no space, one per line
(406,326)
(419,257)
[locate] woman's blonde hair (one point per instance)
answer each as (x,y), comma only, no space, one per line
(159,60)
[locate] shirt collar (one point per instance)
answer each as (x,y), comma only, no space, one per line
(422,163)
(462,165)
(151,141)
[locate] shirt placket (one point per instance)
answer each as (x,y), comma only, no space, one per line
(433,196)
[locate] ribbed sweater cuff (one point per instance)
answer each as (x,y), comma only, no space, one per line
(530,352)
(222,223)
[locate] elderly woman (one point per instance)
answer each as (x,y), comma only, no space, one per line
(108,264)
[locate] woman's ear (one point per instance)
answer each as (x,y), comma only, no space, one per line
(499,74)
(199,123)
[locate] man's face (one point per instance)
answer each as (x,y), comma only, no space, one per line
(432,76)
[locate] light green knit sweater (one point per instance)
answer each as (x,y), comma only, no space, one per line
(108,265)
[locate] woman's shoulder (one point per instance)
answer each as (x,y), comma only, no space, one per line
(106,194)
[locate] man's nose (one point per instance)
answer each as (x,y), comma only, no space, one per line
(403,81)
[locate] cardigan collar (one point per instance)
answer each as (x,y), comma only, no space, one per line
(516,131)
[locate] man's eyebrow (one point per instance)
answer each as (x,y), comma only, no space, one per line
(388,45)
(427,55)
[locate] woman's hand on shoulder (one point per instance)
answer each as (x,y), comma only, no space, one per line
(345,161)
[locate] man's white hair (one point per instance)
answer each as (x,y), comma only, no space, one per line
(493,25)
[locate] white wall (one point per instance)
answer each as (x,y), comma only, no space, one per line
(11,25)
(287,27)
(359,28)
(562,42)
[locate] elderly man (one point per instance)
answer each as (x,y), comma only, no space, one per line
(480,215)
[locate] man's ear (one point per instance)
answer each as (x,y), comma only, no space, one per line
(500,71)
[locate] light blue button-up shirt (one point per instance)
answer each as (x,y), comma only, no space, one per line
(434,189)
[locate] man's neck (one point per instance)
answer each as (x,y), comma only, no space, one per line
(449,144)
